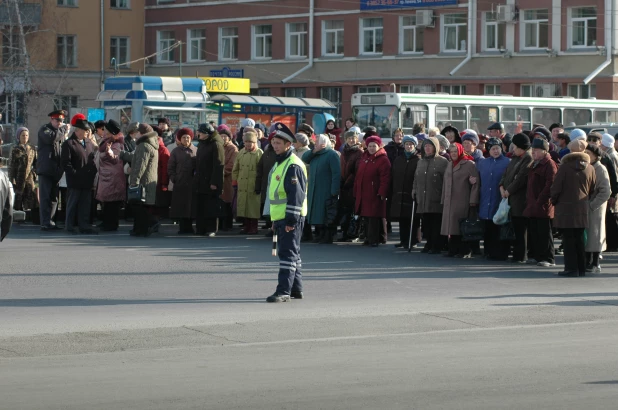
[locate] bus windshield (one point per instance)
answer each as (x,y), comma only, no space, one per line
(385,118)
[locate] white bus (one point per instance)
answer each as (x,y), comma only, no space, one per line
(389,111)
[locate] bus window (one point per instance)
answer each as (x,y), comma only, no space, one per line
(451,115)
(416,114)
(482,117)
(577,116)
(605,116)
(384,117)
(515,119)
(545,116)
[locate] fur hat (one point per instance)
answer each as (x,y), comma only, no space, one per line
(542,131)
(306,128)
(493,142)
(521,141)
(165,121)
(577,145)
(144,129)
(184,131)
(470,135)
(540,144)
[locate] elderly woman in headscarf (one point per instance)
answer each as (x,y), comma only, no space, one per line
(324,182)
(243,176)
(460,192)
(490,172)
(596,242)
(227,196)
(180,169)
(402,179)
(112,187)
(22,174)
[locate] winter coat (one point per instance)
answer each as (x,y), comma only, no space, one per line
(168,138)
(323,182)
(402,180)
(261,177)
(393,151)
(22,174)
(209,163)
(129,144)
(338,140)
(610,167)
(491,172)
(613,156)
(163,198)
(478,156)
(372,184)
(540,179)
(48,152)
(112,184)
(300,152)
(180,172)
(458,195)
(596,211)
(144,163)
(244,171)
(230,151)
(350,159)
(515,180)
(428,180)
(572,190)
(78,163)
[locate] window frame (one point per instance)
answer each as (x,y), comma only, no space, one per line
(223,37)
(64,51)
(62,3)
(336,33)
(571,27)
(499,25)
(128,50)
(160,59)
(361,38)
(496,89)
(590,86)
(254,38)
(127,7)
(538,22)
(201,46)
(300,38)
(365,89)
(443,36)
(460,87)
(415,29)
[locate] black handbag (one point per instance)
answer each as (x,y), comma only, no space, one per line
(472,228)
(507,232)
(136,195)
(332,209)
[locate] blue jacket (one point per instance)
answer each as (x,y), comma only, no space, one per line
(478,156)
(490,173)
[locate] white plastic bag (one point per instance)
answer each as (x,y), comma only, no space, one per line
(502,214)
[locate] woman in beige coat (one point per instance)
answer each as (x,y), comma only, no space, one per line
(596,213)
(243,175)
(460,192)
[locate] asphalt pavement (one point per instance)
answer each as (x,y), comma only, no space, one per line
(176,322)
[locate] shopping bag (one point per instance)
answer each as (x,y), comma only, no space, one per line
(502,214)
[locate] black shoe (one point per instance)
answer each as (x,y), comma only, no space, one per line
(449,255)
(276,298)
(399,245)
(343,239)
(570,274)
(434,252)
(425,250)
(374,245)
(296,295)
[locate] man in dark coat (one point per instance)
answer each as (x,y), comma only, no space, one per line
(78,163)
(208,180)
(402,180)
(393,150)
(350,157)
(49,168)
(166,131)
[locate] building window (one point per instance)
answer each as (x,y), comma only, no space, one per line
(228,45)
(541,90)
(332,38)
(196,40)
(454,32)
(263,41)
(454,89)
(120,4)
(492,89)
(582,90)
(263,92)
(65,102)
(494,33)
(411,37)
(67,3)
(371,36)
(298,92)
(333,94)
(417,89)
(535,30)
(67,51)
(297,40)
(583,27)
(12,108)
(369,89)
(119,49)
(11,57)
(164,49)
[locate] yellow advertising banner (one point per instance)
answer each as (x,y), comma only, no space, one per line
(227,85)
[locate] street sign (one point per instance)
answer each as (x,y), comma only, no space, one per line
(227,85)
(227,72)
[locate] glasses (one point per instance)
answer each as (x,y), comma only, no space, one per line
(593,139)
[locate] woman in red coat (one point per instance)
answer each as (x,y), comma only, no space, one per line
(371,187)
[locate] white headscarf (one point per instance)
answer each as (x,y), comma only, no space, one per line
(324,139)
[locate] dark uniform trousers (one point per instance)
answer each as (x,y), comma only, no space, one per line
(48,196)
(540,240)
(78,204)
(574,249)
(611,229)
(290,276)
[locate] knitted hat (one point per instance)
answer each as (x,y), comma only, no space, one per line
(223,127)
(470,135)
(19,131)
(302,138)
(577,145)
(493,142)
(607,141)
(443,141)
(540,144)
(409,138)
(577,134)
(422,136)
(184,131)
(373,138)
(144,129)
(542,131)
(247,122)
(250,136)
(521,141)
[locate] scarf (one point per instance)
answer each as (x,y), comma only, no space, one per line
(461,155)
(410,154)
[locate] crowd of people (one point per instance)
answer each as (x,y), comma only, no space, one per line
(556,184)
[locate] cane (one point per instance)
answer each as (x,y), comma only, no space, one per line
(411,225)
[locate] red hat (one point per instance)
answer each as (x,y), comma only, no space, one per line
(184,131)
(78,116)
(374,138)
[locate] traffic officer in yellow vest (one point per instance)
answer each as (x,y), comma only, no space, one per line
(287,194)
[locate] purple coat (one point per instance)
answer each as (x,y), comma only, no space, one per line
(112,180)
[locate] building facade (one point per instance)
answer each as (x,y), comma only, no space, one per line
(334,48)
(69,46)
